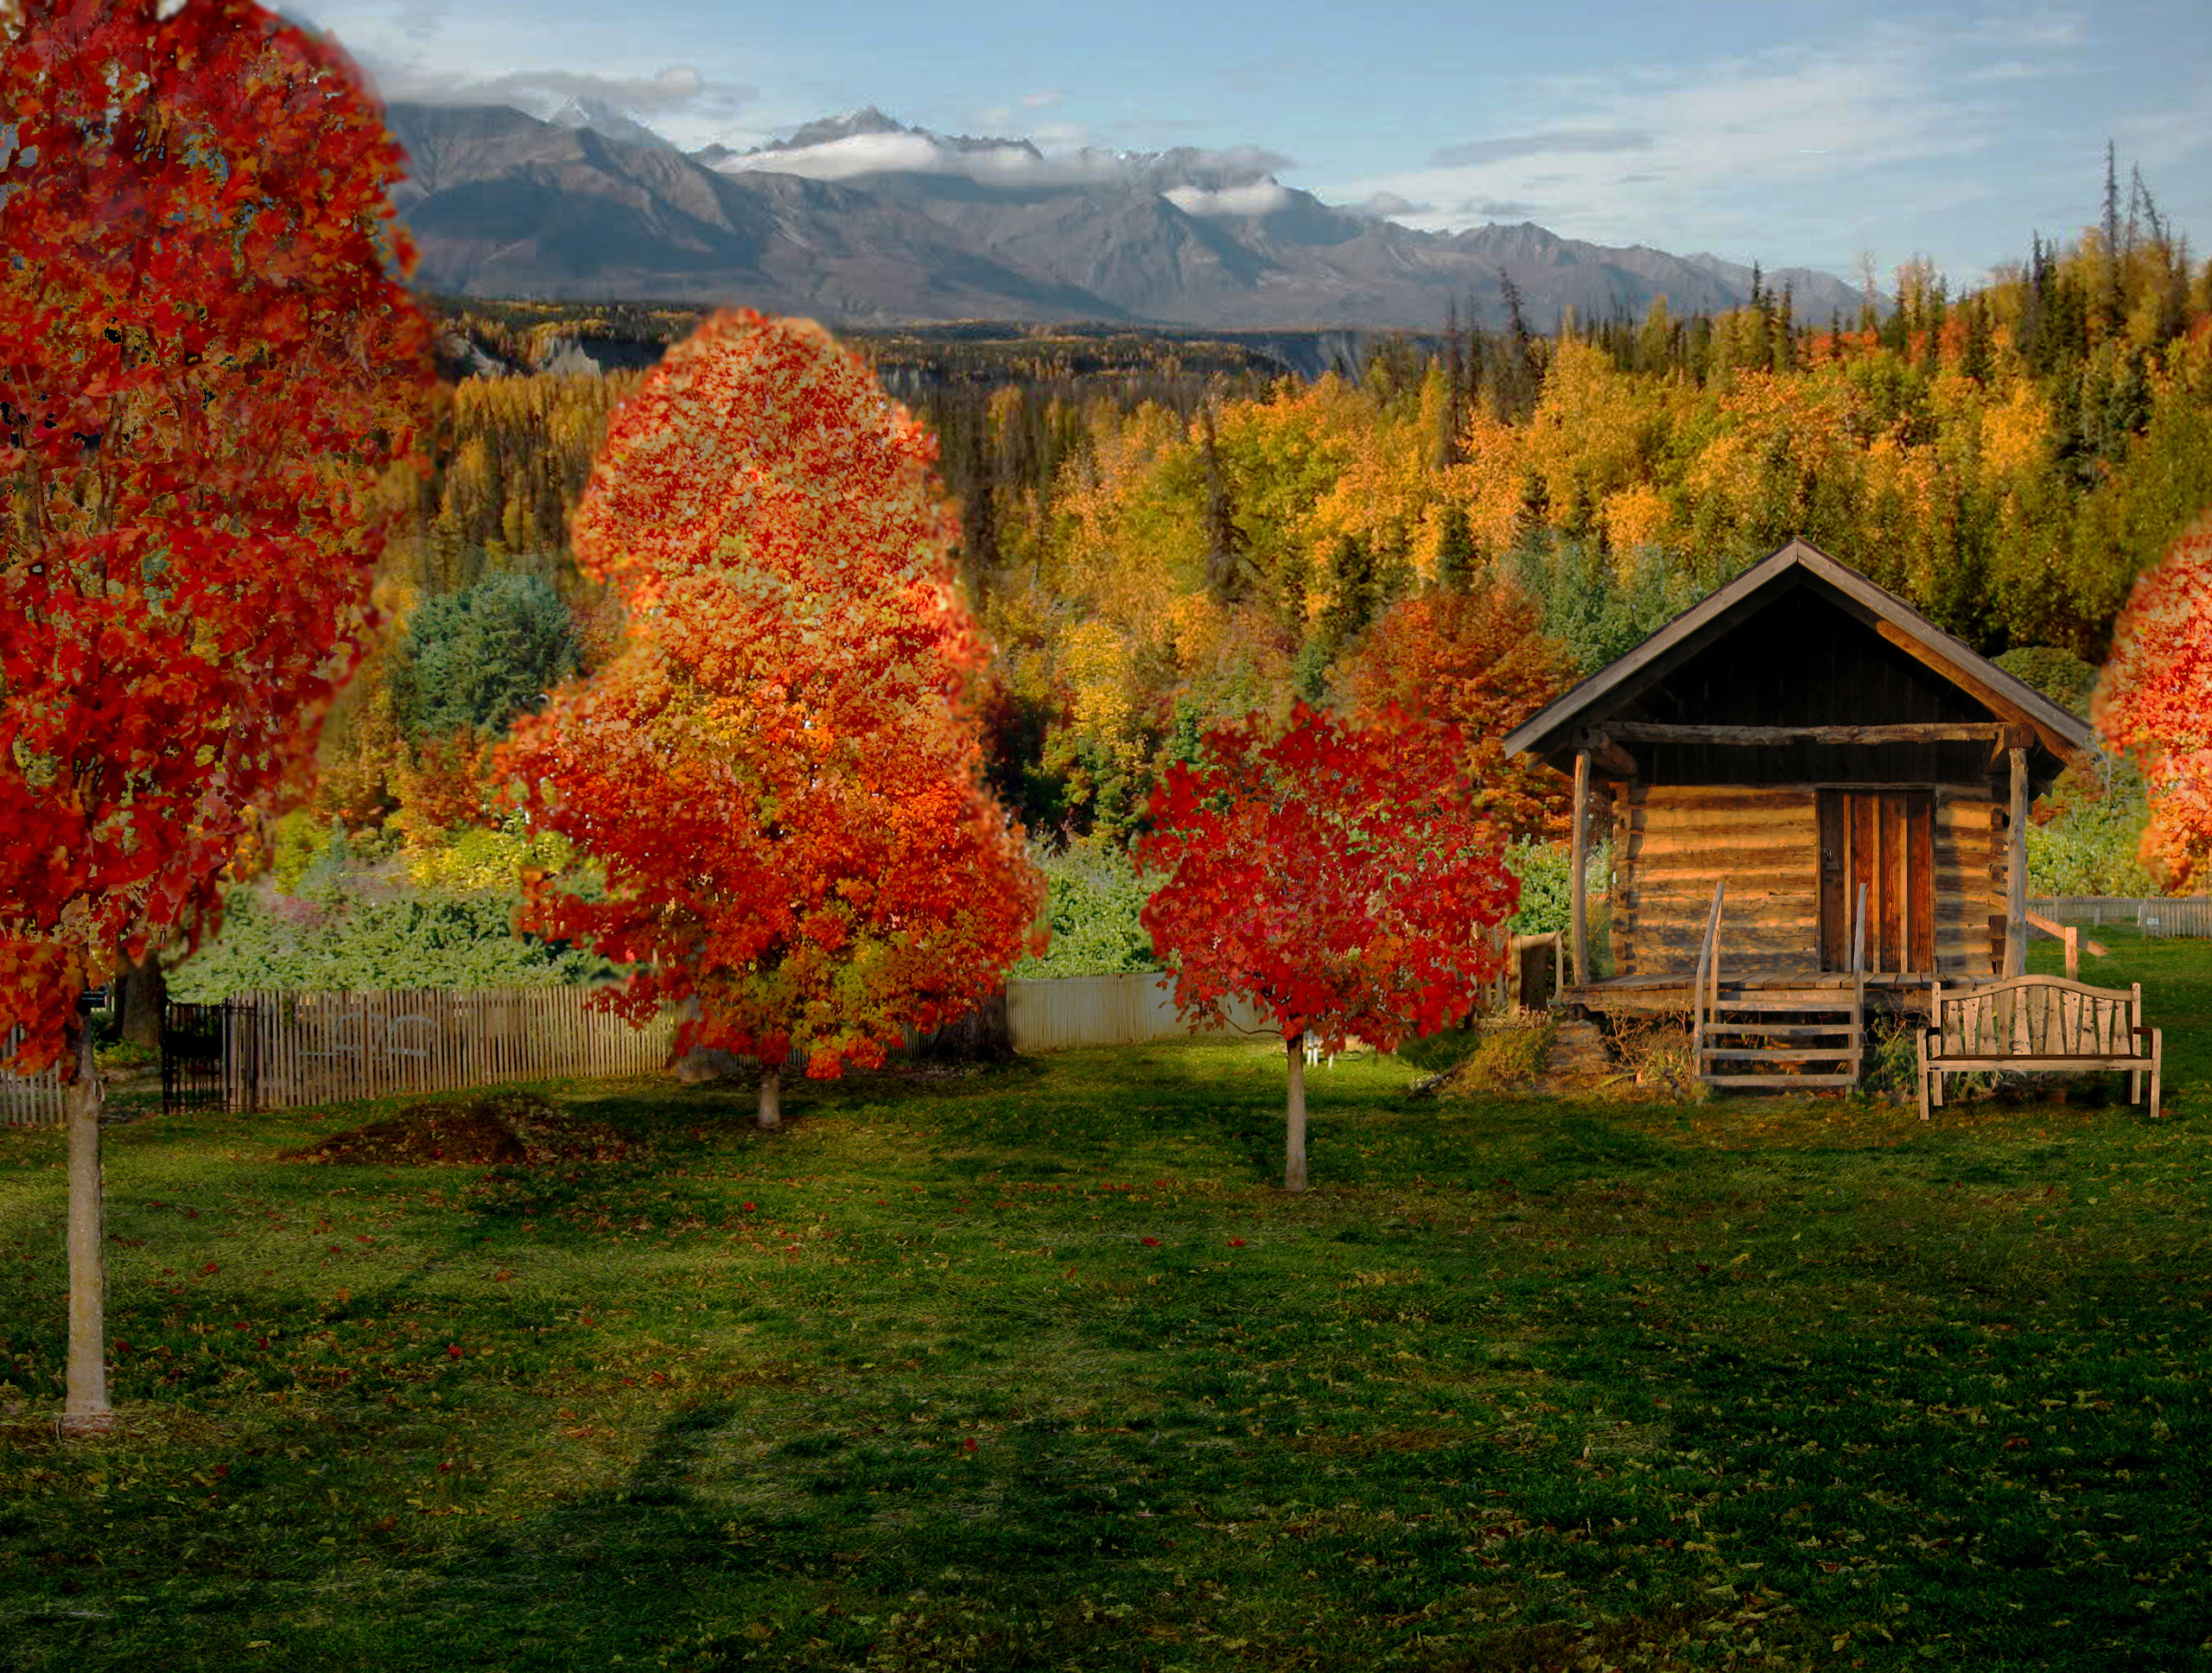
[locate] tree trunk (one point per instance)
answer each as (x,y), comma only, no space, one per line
(771,1096)
(1293,1167)
(85,1408)
(982,1035)
(144,993)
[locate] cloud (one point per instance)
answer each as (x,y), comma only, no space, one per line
(2161,139)
(1498,208)
(677,90)
(1753,152)
(1038,101)
(1381,205)
(1261,197)
(1542,144)
(1233,175)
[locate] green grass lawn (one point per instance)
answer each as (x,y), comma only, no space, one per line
(1037,1369)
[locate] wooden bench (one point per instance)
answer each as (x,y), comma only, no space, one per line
(2038,1022)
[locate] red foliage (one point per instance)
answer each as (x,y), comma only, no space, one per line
(446,787)
(203,368)
(1477,660)
(778,769)
(2154,702)
(1335,874)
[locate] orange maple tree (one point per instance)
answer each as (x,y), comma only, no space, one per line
(2154,702)
(780,771)
(1477,661)
(1335,874)
(203,368)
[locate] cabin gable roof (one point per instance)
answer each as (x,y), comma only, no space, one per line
(1550,735)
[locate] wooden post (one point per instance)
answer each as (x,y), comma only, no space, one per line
(2016,871)
(2073,952)
(1578,851)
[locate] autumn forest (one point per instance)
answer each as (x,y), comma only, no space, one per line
(1153,546)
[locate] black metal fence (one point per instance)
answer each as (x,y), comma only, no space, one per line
(210,1057)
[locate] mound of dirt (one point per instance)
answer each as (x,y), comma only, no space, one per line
(505,1126)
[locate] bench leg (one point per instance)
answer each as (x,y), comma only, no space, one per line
(2158,1057)
(1921,1045)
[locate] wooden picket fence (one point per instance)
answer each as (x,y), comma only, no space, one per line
(324,1048)
(29,1100)
(2155,915)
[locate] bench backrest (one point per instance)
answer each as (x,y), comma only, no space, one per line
(2040,1015)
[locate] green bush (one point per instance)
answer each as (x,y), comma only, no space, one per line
(2059,675)
(296,842)
(346,923)
(1094,895)
(2089,846)
(300,944)
(478,658)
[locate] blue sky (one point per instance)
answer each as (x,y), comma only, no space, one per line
(1786,131)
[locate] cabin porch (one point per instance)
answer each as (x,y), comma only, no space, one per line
(1897,992)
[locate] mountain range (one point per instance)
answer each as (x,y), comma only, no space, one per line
(590,204)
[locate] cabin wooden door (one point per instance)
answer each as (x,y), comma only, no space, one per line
(1886,840)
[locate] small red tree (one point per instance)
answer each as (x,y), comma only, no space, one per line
(1336,876)
(778,770)
(2154,702)
(1478,660)
(204,369)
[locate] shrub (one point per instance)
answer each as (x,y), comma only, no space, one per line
(1093,897)
(1509,1053)
(2088,834)
(2059,675)
(307,945)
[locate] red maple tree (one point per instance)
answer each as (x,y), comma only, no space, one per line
(1478,660)
(2154,702)
(780,771)
(204,370)
(1335,874)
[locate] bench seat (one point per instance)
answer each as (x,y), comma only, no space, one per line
(2045,1024)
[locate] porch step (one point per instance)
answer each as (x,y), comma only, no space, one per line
(1781,1054)
(1791,1029)
(1736,1031)
(1771,1002)
(1780,1080)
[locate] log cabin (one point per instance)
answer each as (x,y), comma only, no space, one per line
(1818,802)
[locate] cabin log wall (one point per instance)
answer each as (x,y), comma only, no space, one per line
(1671,843)
(1681,840)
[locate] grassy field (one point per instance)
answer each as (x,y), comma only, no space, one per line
(1035,1368)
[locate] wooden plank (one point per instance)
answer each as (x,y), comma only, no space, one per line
(1911,732)
(1782,1080)
(1764,1029)
(2016,869)
(1577,840)
(1777,1053)
(2028,1059)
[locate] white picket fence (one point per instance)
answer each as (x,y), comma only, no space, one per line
(321,1047)
(30,1100)
(2155,915)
